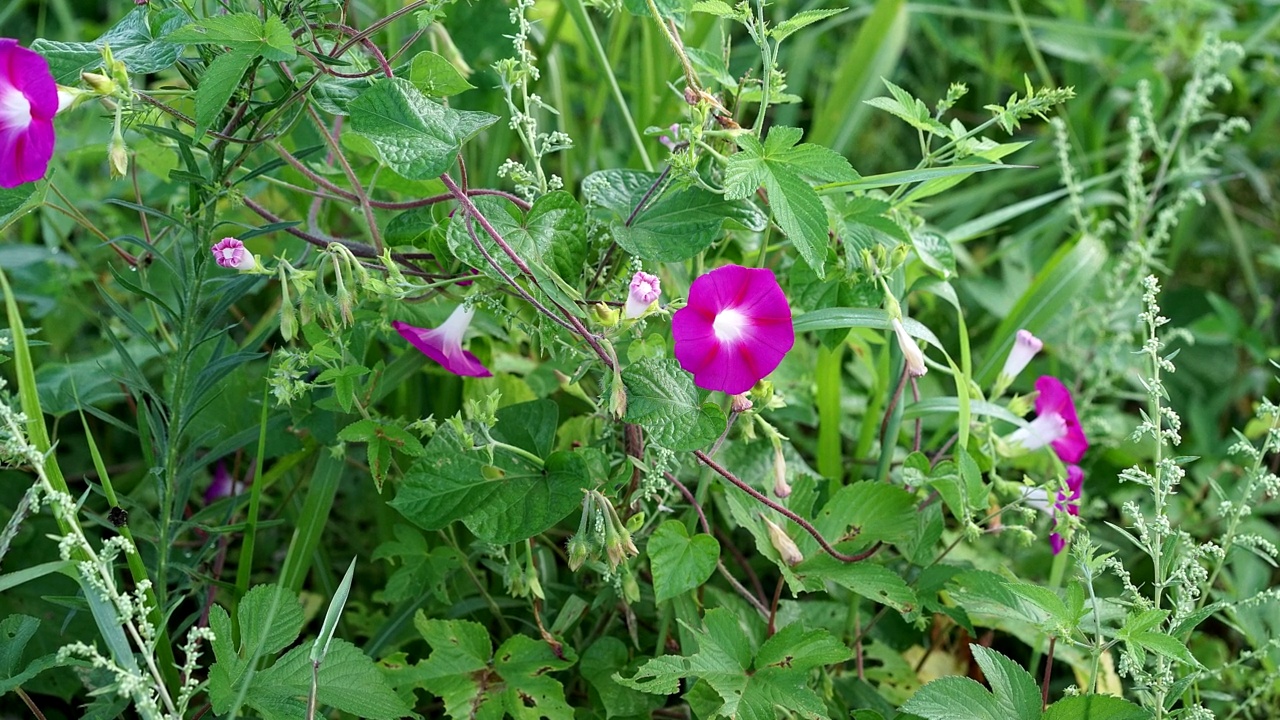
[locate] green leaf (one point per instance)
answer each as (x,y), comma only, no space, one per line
(778,165)
(747,689)
(830,318)
(133,41)
(801,20)
(18,201)
(422,569)
(874,582)
(1014,688)
(865,513)
(348,680)
(551,238)
(15,632)
(529,426)
(954,698)
(508,500)
(270,619)
(268,39)
(416,137)
(680,563)
(676,223)
(516,681)
(607,656)
(217,85)
(904,177)
(936,253)
(436,76)
(1166,645)
(662,399)
(1094,707)
(910,109)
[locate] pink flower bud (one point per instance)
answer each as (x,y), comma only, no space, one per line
(231,253)
(780,486)
(645,289)
(1025,347)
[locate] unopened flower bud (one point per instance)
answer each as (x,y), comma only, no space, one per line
(118,156)
(645,289)
(1025,347)
(231,253)
(100,84)
(783,543)
(910,351)
(578,550)
(780,486)
(604,315)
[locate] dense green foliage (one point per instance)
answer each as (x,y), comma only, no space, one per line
(192,454)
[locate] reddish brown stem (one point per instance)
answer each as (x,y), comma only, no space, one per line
(804,524)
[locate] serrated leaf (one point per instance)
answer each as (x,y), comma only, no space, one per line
(436,76)
(662,399)
(348,680)
(1094,707)
(269,39)
(864,513)
(551,237)
(416,137)
(954,698)
(719,8)
(217,85)
(910,109)
(777,164)
(676,222)
(504,501)
(270,618)
(1165,645)
(872,581)
(133,41)
(680,563)
(1014,689)
(607,656)
(801,20)
(747,689)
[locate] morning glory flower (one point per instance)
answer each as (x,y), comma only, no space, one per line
(735,329)
(444,343)
(223,484)
(28,102)
(231,253)
(910,350)
(645,289)
(1056,423)
(1025,347)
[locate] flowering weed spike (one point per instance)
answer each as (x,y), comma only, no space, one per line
(735,330)
(28,102)
(444,344)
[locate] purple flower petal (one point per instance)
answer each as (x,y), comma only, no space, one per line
(735,329)
(28,102)
(1057,543)
(1055,398)
(436,345)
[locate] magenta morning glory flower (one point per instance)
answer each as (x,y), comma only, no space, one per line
(28,102)
(223,484)
(645,289)
(735,329)
(1056,423)
(444,344)
(231,253)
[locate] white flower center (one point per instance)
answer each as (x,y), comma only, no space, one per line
(15,110)
(730,325)
(1042,431)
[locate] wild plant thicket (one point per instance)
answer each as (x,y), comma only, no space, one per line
(651,358)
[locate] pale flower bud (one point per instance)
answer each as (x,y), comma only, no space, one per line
(118,156)
(645,289)
(780,486)
(910,351)
(1025,347)
(100,84)
(783,543)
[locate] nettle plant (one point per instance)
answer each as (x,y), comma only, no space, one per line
(608,517)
